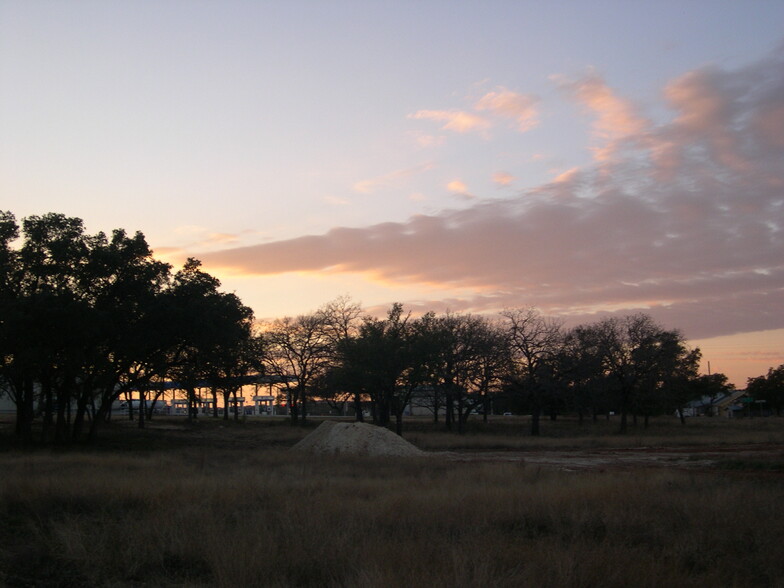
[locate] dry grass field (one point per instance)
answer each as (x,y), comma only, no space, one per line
(227,504)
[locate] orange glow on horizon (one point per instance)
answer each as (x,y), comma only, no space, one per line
(742,356)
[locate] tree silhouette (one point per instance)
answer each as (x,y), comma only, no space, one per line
(86,318)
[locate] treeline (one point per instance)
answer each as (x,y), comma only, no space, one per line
(85,319)
(456,365)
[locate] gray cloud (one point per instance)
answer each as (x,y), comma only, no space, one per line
(685,220)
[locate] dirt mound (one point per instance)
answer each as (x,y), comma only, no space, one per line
(356,439)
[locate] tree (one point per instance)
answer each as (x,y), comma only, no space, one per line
(769,388)
(670,381)
(706,388)
(463,356)
(235,362)
(9,232)
(334,384)
(123,284)
(534,342)
(298,353)
(86,318)
(637,355)
(340,319)
(208,331)
(580,363)
(385,361)
(41,299)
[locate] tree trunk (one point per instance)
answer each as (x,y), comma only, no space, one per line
(25,409)
(536,413)
(382,413)
(358,416)
(460,418)
(449,411)
(78,424)
(99,417)
(463,420)
(151,408)
(48,422)
(191,393)
(304,407)
(142,408)
(61,427)
(293,408)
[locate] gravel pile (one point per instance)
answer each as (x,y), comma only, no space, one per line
(356,439)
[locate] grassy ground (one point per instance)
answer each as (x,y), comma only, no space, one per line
(567,433)
(228,505)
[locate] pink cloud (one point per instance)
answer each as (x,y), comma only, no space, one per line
(503,178)
(519,107)
(392,178)
(454,120)
(701,247)
(616,118)
(457,187)
(567,177)
(425,140)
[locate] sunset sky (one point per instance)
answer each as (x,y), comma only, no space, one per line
(584,157)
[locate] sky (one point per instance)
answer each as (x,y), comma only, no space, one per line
(587,158)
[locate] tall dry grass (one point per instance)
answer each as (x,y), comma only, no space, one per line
(238,516)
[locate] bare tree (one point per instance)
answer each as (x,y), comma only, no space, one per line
(534,342)
(341,319)
(341,324)
(297,351)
